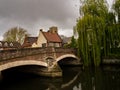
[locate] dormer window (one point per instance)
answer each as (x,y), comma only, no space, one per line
(6,44)
(11,44)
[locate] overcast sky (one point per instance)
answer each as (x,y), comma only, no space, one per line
(39,14)
(36,14)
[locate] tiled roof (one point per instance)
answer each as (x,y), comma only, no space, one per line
(29,41)
(52,37)
(32,39)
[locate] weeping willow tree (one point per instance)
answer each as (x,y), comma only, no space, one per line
(91,30)
(98,30)
(112,30)
(116,25)
(116,7)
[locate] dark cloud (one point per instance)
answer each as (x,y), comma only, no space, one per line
(32,14)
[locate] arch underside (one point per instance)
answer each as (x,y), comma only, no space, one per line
(35,62)
(66,56)
(21,63)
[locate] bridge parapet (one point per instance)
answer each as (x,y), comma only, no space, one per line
(66,50)
(63,51)
(9,54)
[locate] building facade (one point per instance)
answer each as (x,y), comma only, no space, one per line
(49,38)
(44,39)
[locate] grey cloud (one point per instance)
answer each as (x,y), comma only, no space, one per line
(27,12)
(34,9)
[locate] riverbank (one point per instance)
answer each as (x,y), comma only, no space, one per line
(111,61)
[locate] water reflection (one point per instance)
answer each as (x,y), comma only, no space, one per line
(74,78)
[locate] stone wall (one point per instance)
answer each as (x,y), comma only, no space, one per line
(36,56)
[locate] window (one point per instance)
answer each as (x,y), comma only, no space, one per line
(51,44)
(44,45)
(57,45)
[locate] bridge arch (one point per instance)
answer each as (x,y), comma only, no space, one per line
(21,63)
(66,56)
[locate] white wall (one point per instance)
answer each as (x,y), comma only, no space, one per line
(41,39)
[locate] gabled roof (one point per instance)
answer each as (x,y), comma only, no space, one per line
(29,41)
(32,39)
(52,37)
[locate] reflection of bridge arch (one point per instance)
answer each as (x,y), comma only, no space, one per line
(64,86)
(70,82)
(21,63)
(66,56)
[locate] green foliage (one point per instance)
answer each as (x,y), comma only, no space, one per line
(93,7)
(91,29)
(15,34)
(66,46)
(116,8)
(89,40)
(73,43)
(98,31)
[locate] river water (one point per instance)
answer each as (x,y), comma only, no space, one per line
(74,78)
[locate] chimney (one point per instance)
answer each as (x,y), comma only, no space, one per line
(53,29)
(41,30)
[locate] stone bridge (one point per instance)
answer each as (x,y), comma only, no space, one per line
(48,58)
